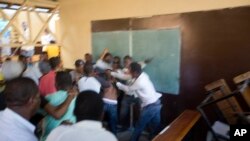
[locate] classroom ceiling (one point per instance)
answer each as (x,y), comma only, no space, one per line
(15,4)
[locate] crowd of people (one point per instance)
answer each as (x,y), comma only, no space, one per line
(42,101)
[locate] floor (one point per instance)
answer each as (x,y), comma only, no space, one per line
(125,136)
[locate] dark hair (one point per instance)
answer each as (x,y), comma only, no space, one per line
(89,105)
(127,57)
(79,62)
(88,68)
(63,80)
(21,57)
(107,54)
(135,67)
(52,41)
(19,90)
(44,53)
(87,54)
(118,59)
(44,67)
(54,62)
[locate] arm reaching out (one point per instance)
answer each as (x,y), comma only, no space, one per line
(58,111)
(103,53)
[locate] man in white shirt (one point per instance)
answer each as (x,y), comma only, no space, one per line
(88,112)
(128,99)
(22,100)
(31,70)
(46,38)
(150,100)
(90,81)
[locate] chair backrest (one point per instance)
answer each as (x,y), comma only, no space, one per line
(228,107)
(242,81)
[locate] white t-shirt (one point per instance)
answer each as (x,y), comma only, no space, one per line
(33,73)
(102,65)
(87,130)
(89,83)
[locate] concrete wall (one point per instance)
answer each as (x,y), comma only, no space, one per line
(76,17)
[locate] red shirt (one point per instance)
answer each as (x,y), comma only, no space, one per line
(47,83)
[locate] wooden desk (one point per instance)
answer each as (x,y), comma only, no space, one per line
(179,128)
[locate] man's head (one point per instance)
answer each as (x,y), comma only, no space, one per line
(55,63)
(22,94)
(44,67)
(88,58)
(79,64)
(43,56)
(88,69)
(89,106)
(117,59)
(12,69)
(108,58)
(63,80)
(135,69)
(127,60)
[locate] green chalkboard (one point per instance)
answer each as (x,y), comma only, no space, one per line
(163,45)
(117,42)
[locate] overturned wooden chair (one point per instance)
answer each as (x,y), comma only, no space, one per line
(223,102)
(228,107)
(242,81)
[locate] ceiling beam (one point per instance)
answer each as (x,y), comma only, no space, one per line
(35,3)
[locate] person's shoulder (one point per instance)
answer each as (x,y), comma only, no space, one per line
(72,73)
(82,79)
(108,136)
(58,132)
(144,75)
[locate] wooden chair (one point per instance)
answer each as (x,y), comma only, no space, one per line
(227,107)
(242,82)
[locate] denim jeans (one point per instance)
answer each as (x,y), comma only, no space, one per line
(150,115)
(125,109)
(110,111)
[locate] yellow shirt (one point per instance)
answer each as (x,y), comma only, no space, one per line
(52,50)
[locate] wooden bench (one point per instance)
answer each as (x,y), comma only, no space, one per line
(179,128)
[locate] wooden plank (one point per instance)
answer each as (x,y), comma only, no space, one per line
(179,128)
(242,77)
(43,21)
